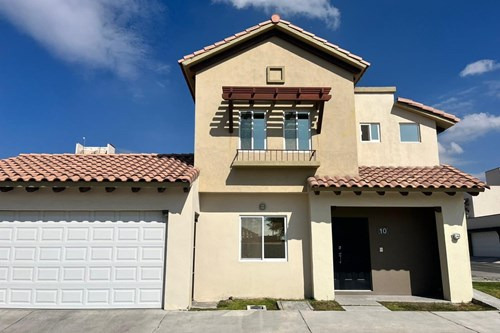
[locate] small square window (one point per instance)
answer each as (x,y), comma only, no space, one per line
(370,132)
(275,74)
(409,132)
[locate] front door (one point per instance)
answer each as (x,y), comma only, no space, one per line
(351,254)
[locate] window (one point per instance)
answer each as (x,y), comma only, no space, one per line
(297,131)
(263,237)
(370,132)
(409,132)
(252,130)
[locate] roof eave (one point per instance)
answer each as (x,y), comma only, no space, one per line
(70,183)
(397,189)
(441,122)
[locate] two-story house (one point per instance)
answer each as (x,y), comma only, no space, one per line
(309,185)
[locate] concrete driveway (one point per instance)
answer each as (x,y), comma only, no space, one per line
(87,321)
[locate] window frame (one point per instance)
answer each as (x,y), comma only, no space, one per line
(370,132)
(297,130)
(253,112)
(263,259)
(418,132)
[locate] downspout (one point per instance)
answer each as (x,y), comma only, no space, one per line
(196,216)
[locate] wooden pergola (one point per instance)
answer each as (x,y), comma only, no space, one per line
(317,95)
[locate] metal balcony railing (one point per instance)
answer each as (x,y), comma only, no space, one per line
(275,155)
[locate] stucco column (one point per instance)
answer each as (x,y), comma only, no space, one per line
(179,263)
(454,254)
(321,249)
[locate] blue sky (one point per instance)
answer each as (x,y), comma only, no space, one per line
(107,69)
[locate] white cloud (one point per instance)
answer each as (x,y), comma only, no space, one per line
(317,9)
(455,104)
(448,153)
(480,67)
(493,88)
(95,33)
(472,127)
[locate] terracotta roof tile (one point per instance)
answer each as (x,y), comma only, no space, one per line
(99,168)
(430,109)
(270,22)
(437,177)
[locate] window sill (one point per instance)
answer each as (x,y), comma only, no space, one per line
(264,260)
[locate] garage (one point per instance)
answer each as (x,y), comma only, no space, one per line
(82,259)
(485,243)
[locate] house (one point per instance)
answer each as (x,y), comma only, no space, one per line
(303,184)
(483,218)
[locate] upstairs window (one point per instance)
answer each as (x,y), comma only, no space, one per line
(409,132)
(252,130)
(297,131)
(370,132)
(263,238)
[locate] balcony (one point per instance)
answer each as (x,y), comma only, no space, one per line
(275,158)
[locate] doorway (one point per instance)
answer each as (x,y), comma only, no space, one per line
(351,254)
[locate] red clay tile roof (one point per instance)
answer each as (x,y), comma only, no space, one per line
(430,109)
(274,20)
(99,168)
(436,177)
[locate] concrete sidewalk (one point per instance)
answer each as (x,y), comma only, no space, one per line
(88,321)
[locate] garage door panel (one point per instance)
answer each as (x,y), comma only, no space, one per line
(486,243)
(109,262)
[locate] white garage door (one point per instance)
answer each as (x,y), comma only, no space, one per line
(485,244)
(81,259)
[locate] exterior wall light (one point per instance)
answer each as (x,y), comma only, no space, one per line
(262,206)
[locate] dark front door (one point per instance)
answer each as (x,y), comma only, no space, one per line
(351,254)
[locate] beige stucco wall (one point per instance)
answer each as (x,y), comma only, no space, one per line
(486,203)
(179,260)
(390,151)
(454,255)
(181,207)
(219,272)
(215,147)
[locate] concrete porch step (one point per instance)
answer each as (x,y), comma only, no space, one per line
(204,305)
(364,308)
(294,305)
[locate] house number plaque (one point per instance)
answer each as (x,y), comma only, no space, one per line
(383,231)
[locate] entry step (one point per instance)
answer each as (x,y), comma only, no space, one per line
(294,305)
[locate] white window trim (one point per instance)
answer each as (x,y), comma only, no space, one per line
(262,217)
(297,130)
(410,142)
(370,132)
(265,130)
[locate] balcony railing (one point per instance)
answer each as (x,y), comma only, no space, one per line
(275,158)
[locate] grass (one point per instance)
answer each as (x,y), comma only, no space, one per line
(241,304)
(326,306)
(491,288)
(417,306)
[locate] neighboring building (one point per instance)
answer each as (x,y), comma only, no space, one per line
(483,218)
(309,186)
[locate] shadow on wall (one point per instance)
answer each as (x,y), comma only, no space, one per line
(409,263)
(411,117)
(276,176)
(270,177)
(219,126)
